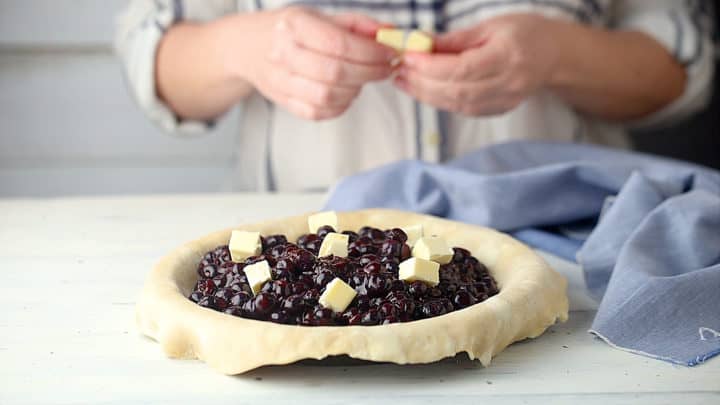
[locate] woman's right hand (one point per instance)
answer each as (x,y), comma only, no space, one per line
(312,64)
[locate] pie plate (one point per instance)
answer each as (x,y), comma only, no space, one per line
(532,297)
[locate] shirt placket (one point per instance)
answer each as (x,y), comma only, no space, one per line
(428,132)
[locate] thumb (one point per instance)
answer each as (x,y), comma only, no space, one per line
(359,24)
(459,41)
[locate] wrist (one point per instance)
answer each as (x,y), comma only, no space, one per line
(237,44)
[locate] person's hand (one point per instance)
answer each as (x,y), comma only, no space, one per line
(315,65)
(485,70)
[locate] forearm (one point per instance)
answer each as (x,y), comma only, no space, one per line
(613,75)
(194,73)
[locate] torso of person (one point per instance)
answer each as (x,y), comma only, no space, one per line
(278,151)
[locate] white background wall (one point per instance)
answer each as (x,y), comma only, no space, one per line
(67,123)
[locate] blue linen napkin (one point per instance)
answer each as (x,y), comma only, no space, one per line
(646,230)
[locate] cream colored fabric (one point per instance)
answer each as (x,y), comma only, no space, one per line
(532,297)
(276,150)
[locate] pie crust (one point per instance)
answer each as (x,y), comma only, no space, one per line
(532,297)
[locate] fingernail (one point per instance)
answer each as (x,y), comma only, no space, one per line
(409,60)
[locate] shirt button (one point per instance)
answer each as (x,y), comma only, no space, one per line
(433,138)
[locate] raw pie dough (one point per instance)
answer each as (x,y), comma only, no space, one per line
(532,297)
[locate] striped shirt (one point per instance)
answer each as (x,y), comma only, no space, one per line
(384,125)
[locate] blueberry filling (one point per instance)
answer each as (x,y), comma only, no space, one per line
(371,268)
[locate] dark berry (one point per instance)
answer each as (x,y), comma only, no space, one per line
(405,252)
(391,248)
(463,299)
(373,268)
(377,285)
(234,310)
(311,242)
(195,296)
(208,271)
(371,317)
(324,230)
(264,303)
(418,289)
(323,278)
(388,309)
(280,288)
(206,287)
(390,266)
(323,317)
(390,319)
(460,255)
(222,254)
(352,236)
(239,299)
(272,241)
(433,308)
(225,293)
(294,304)
(213,303)
(368,258)
(396,234)
(279,317)
(363,303)
(311,297)
(398,285)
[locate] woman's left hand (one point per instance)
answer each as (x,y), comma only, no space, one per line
(485,70)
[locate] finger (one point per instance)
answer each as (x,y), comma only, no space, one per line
(494,106)
(323,36)
(454,93)
(299,107)
(459,41)
(326,69)
(311,91)
(471,65)
(429,93)
(310,112)
(359,24)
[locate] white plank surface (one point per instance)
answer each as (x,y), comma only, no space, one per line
(69,126)
(58,22)
(73,267)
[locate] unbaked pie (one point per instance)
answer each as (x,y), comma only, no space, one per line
(348,284)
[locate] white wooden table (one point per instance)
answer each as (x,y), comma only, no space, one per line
(72,268)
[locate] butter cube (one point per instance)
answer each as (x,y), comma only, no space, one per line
(334,244)
(244,244)
(433,248)
(418,41)
(337,295)
(416,269)
(413,232)
(391,37)
(257,274)
(321,219)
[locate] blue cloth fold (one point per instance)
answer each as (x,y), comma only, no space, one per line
(646,230)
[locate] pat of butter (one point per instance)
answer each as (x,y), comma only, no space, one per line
(244,244)
(257,274)
(334,244)
(418,41)
(337,295)
(416,269)
(315,221)
(391,37)
(433,248)
(415,41)
(413,232)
